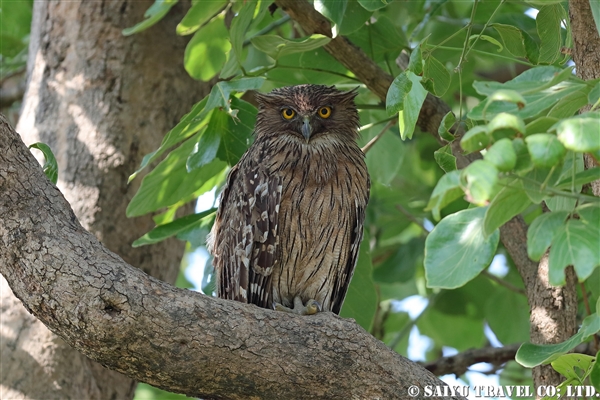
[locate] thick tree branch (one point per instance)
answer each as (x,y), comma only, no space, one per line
(459,363)
(172,338)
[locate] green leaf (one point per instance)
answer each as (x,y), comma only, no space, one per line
(561,203)
(206,53)
(334,11)
(531,48)
(548,23)
(545,149)
(595,7)
(401,266)
(570,104)
(189,124)
(479,181)
(540,125)
(415,62)
(502,155)
(456,250)
(200,13)
(524,163)
(506,125)
(165,231)
(577,245)
(153,14)
(446,191)
(235,132)
(507,314)
(170,182)
(580,133)
(533,85)
(513,39)
(397,93)
(197,119)
(361,299)
(594,95)
(595,372)
(373,5)
(381,40)
(581,178)
(14,32)
(510,96)
(445,159)
(385,159)
(406,96)
(590,214)
(447,123)
(205,149)
(574,367)
(438,73)
(355,18)
(50,166)
(509,202)
(488,39)
(239,26)
(476,139)
(531,355)
(536,181)
(221,92)
(461,332)
(276,46)
(542,231)
(534,80)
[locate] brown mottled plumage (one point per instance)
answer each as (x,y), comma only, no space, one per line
(290,219)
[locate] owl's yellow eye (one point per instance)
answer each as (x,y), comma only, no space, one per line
(325,112)
(288,113)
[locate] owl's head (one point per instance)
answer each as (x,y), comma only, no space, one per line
(308,112)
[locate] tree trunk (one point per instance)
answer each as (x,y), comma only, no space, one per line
(101,101)
(586,54)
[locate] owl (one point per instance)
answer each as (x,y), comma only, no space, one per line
(290,219)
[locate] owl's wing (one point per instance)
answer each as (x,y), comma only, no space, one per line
(246,240)
(343,282)
(264,200)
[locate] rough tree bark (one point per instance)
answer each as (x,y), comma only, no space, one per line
(101,101)
(586,54)
(172,338)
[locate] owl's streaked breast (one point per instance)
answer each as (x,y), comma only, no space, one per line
(321,184)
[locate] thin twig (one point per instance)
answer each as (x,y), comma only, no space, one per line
(459,363)
(387,126)
(409,325)
(504,283)
(412,218)
(268,28)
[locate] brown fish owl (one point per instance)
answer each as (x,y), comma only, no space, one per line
(290,219)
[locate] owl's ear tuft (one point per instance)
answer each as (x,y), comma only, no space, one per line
(348,97)
(260,98)
(263,99)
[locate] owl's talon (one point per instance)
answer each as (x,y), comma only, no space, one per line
(312,307)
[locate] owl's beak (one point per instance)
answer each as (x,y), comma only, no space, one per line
(306,128)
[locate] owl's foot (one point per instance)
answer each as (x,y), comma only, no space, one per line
(312,307)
